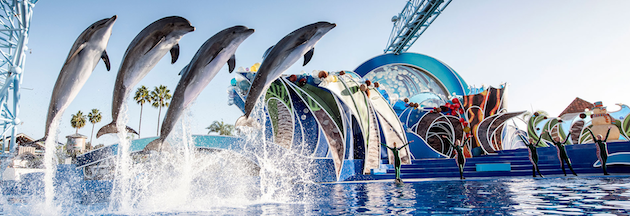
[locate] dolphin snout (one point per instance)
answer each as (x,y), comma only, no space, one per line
(113,19)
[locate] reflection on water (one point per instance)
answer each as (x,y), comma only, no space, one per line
(513,196)
(573,196)
(567,196)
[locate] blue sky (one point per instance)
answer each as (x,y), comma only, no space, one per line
(549,52)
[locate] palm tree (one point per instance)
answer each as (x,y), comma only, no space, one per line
(160,97)
(94,117)
(78,121)
(221,128)
(142,96)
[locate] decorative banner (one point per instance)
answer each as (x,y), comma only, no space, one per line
(480,106)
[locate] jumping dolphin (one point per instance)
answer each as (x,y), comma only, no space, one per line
(143,53)
(81,61)
(210,57)
(280,57)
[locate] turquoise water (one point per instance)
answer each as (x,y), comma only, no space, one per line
(504,196)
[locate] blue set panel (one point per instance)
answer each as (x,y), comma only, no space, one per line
(419,148)
(268,128)
(238,101)
(414,116)
(323,145)
(350,168)
(309,124)
(489,167)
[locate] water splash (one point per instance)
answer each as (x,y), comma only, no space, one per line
(185,179)
(50,164)
(121,197)
(280,169)
(188,179)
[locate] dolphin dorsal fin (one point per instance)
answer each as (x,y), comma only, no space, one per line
(184,70)
(232,63)
(105,59)
(174,53)
(76,52)
(308,56)
(267,52)
(155,44)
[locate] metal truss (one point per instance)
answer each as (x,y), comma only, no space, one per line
(414,19)
(15,18)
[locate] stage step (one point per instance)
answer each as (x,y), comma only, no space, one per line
(518,160)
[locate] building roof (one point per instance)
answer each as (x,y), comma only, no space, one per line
(24,140)
(577,106)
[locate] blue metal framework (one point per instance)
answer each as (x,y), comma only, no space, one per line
(15,19)
(414,19)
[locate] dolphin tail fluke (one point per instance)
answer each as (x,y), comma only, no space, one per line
(107,129)
(246,122)
(131,130)
(157,145)
(112,128)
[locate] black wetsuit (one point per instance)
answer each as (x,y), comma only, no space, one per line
(562,154)
(461,160)
(602,149)
(396,158)
(533,155)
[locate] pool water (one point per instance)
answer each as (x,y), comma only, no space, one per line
(503,196)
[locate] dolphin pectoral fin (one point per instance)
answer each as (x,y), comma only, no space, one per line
(157,145)
(232,63)
(156,43)
(76,52)
(267,52)
(184,70)
(106,60)
(308,56)
(174,53)
(107,129)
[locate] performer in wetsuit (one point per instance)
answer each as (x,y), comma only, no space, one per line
(562,153)
(396,159)
(461,159)
(602,148)
(533,154)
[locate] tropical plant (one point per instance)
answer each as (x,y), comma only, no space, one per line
(221,128)
(142,96)
(78,120)
(94,117)
(160,97)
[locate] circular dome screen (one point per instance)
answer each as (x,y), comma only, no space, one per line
(405,81)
